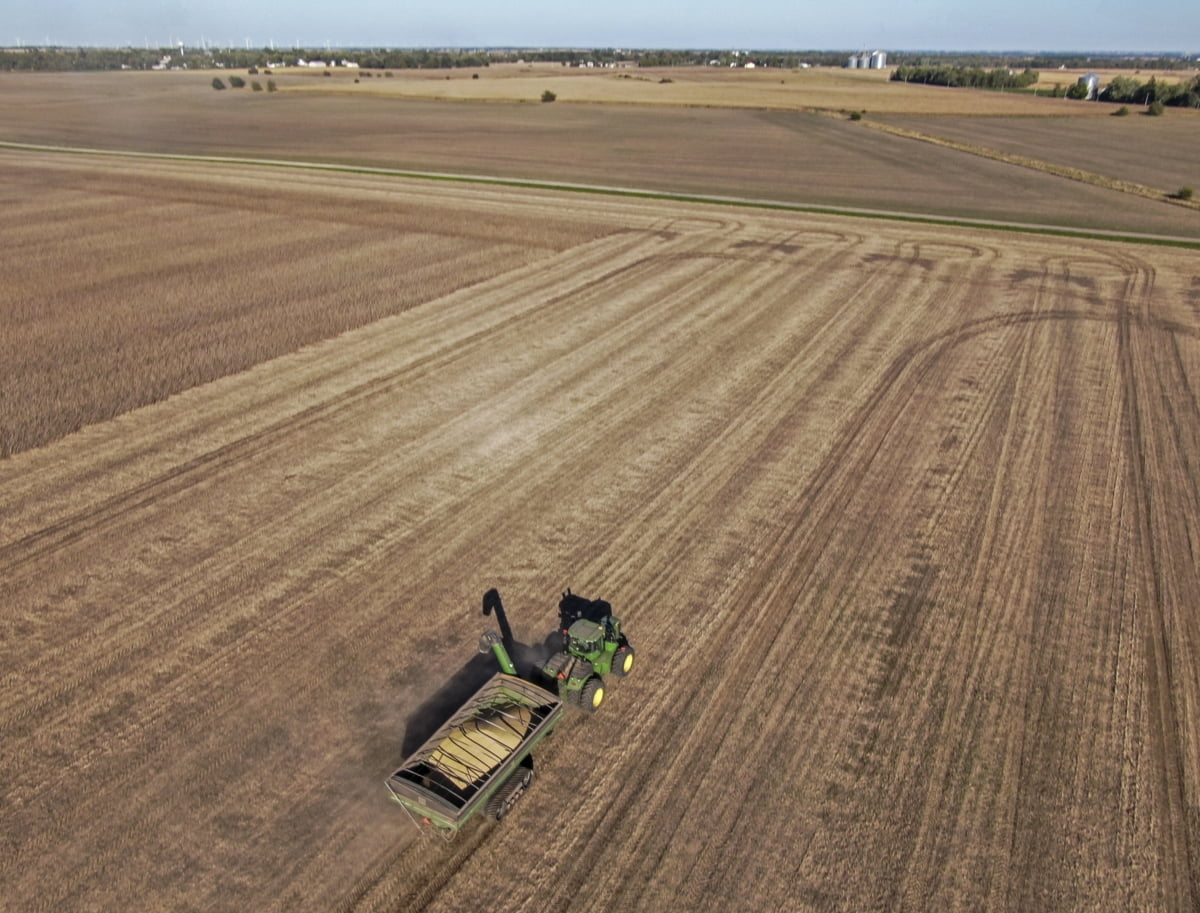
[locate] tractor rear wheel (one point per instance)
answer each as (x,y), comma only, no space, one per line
(622,663)
(591,696)
(555,665)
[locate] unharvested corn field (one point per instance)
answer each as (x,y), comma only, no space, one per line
(903,521)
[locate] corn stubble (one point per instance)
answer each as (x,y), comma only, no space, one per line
(123,288)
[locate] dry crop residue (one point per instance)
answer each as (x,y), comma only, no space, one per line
(902,522)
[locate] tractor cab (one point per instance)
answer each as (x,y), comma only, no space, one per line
(585,639)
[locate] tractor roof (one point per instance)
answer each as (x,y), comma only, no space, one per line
(585,630)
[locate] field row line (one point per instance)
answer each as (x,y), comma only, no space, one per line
(1095,234)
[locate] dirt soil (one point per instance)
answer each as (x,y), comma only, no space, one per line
(902,520)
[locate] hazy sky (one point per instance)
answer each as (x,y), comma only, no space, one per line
(1150,25)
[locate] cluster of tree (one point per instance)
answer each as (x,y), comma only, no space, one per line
(972,77)
(1127,90)
(64,59)
(238,83)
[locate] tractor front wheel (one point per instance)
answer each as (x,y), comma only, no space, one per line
(622,663)
(591,696)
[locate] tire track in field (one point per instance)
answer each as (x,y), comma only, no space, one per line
(210,710)
(629,422)
(916,590)
(952,338)
(1140,376)
(972,642)
(54,536)
(585,572)
(113,655)
(715,627)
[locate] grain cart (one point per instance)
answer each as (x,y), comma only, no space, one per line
(480,760)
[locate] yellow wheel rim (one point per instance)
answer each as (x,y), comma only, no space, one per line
(597,697)
(628,664)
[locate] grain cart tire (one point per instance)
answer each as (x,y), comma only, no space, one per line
(622,663)
(591,695)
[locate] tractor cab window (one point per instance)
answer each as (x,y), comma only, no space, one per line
(590,645)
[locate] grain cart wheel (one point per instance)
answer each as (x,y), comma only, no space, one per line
(506,796)
(622,663)
(591,696)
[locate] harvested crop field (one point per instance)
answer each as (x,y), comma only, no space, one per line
(813,89)
(788,155)
(1158,151)
(125,285)
(901,519)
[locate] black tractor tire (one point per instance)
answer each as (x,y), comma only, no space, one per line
(555,664)
(622,663)
(591,695)
(502,800)
(582,669)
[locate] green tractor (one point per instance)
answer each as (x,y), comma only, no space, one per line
(593,646)
(587,646)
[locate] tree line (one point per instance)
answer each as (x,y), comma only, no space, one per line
(1127,90)
(971,77)
(1122,89)
(63,59)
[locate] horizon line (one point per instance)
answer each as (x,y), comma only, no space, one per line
(210,46)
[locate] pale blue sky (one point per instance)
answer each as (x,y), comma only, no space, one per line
(1069,25)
